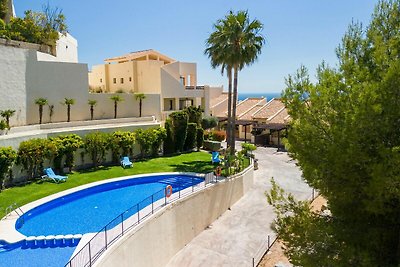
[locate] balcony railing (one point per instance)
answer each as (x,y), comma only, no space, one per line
(199,87)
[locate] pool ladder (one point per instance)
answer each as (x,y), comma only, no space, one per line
(17,209)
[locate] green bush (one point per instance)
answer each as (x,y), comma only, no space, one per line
(96,145)
(218,135)
(121,142)
(194,114)
(169,143)
(247,147)
(209,122)
(150,140)
(191,141)
(180,125)
(7,158)
(199,137)
(65,145)
(32,154)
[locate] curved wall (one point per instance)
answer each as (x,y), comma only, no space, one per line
(159,238)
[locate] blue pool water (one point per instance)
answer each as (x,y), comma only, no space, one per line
(89,210)
(49,257)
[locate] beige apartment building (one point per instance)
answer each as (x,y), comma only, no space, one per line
(152,73)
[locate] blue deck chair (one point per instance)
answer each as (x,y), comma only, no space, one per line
(51,175)
(126,162)
(215,157)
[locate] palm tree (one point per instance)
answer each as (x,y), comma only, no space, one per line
(92,103)
(41,102)
(116,99)
(68,102)
(140,97)
(7,114)
(239,42)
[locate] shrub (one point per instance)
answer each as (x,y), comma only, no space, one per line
(95,144)
(32,154)
(169,143)
(209,122)
(199,137)
(3,125)
(121,142)
(194,114)
(150,140)
(191,141)
(247,147)
(180,124)
(218,135)
(7,158)
(66,145)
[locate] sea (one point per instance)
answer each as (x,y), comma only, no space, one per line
(269,95)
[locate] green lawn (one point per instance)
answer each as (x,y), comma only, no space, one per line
(199,162)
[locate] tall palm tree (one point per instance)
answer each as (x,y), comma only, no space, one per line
(7,114)
(41,102)
(140,97)
(68,102)
(240,41)
(92,103)
(116,99)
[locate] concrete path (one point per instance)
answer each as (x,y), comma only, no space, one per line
(240,234)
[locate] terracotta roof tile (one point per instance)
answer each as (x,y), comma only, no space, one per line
(269,109)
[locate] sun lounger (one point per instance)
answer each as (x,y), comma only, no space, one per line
(215,157)
(125,162)
(49,174)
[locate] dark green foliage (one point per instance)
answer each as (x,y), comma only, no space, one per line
(3,9)
(32,154)
(191,140)
(6,114)
(199,137)
(96,145)
(179,123)
(194,114)
(121,144)
(66,146)
(169,143)
(150,140)
(345,136)
(7,158)
(247,147)
(209,122)
(37,27)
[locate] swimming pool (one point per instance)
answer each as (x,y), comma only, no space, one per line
(88,210)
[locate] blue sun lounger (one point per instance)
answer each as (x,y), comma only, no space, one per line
(215,157)
(126,162)
(49,173)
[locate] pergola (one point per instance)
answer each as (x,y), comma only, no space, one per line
(272,127)
(244,123)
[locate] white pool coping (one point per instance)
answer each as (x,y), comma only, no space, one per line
(9,234)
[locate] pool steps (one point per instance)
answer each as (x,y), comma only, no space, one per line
(50,241)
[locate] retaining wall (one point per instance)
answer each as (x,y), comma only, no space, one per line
(159,238)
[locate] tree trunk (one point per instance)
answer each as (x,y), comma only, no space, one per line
(68,113)
(40,113)
(235,89)
(228,126)
(140,108)
(115,109)
(91,112)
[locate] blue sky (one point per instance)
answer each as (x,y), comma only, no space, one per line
(297,32)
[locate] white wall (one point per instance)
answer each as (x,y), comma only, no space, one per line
(67,49)
(160,237)
(13,82)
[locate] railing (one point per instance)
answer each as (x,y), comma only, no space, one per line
(270,241)
(17,209)
(132,217)
(191,87)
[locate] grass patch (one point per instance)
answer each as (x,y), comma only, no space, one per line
(199,162)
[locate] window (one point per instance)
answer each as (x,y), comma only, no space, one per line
(101,80)
(122,80)
(130,79)
(114,80)
(171,104)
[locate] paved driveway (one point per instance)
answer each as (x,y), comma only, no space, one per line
(241,233)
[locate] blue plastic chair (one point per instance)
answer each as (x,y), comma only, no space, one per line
(215,157)
(51,175)
(126,162)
